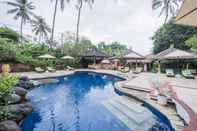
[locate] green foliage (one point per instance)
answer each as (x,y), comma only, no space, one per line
(6,85)
(172,34)
(114,49)
(7,50)
(192,43)
(8,33)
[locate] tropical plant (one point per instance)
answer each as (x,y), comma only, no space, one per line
(79,7)
(40,28)
(167,7)
(192,43)
(8,33)
(7,50)
(21,9)
(62,4)
(6,87)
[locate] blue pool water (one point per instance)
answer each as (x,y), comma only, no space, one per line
(74,104)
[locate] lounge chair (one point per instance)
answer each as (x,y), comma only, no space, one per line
(39,70)
(50,69)
(125,70)
(170,73)
(69,68)
(187,74)
(138,70)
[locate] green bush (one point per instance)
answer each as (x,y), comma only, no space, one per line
(6,87)
(8,50)
(8,33)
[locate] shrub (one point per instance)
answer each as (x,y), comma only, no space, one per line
(7,50)
(6,87)
(8,33)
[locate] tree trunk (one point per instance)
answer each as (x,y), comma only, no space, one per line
(53,26)
(78,20)
(21,31)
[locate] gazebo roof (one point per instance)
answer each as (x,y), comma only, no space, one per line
(188,13)
(173,53)
(95,53)
(130,54)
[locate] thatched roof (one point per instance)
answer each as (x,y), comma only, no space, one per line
(173,53)
(188,13)
(130,54)
(95,53)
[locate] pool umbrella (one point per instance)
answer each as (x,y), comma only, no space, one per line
(68,57)
(47,56)
(188,13)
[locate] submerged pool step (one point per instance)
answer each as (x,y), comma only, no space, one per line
(134,120)
(120,116)
(137,117)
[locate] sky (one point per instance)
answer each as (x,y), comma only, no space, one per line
(130,22)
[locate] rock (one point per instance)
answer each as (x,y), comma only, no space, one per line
(24,78)
(14,99)
(20,91)
(19,111)
(9,126)
(25,84)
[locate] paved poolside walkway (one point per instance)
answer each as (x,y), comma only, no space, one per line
(186,89)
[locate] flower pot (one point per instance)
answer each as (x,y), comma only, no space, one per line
(5,69)
(162,100)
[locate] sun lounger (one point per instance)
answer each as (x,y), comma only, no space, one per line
(50,69)
(187,74)
(170,73)
(69,68)
(138,70)
(125,70)
(39,70)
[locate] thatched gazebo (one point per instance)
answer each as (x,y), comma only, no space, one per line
(94,55)
(134,59)
(174,54)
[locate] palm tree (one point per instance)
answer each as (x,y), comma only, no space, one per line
(40,27)
(168,7)
(62,3)
(79,7)
(21,9)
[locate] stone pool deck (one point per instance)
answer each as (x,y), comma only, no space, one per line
(186,89)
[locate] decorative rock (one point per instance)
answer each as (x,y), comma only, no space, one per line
(9,126)
(19,111)
(14,99)
(20,91)
(24,78)
(25,84)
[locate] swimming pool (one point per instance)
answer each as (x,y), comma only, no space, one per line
(75,103)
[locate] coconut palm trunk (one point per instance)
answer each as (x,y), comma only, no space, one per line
(78,20)
(21,30)
(53,26)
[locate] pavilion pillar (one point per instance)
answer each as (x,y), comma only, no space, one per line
(145,67)
(159,67)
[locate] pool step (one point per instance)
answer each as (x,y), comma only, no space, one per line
(136,118)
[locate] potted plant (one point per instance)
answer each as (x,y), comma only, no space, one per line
(163,92)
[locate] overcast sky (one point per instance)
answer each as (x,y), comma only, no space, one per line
(131,22)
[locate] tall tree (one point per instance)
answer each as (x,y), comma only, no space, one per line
(171,33)
(21,9)
(62,4)
(79,7)
(40,28)
(167,7)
